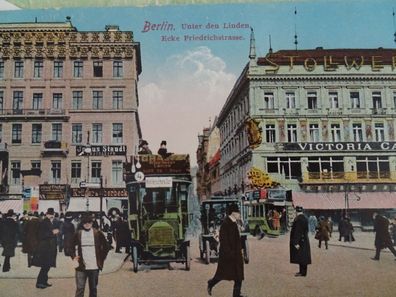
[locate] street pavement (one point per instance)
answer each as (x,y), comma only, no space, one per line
(64,265)
(345,269)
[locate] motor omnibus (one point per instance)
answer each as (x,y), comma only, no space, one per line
(158,195)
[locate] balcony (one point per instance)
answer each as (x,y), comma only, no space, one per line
(379,111)
(16,114)
(55,148)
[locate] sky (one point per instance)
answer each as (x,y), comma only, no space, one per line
(184,84)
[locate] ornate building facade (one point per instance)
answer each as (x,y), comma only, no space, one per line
(68,106)
(320,122)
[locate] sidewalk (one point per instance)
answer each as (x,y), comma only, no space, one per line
(363,240)
(63,269)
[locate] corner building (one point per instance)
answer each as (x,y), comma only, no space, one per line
(320,122)
(62,90)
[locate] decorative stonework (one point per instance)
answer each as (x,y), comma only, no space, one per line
(253,132)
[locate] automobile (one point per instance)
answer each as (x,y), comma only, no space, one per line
(213,212)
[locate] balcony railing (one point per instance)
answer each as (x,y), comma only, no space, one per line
(341,175)
(32,112)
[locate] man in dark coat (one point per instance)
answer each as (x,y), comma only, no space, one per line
(230,265)
(9,239)
(300,250)
(382,236)
(30,236)
(68,233)
(45,255)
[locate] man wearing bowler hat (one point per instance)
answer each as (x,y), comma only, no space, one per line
(230,265)
(45,254)
(300,251)
(10,232)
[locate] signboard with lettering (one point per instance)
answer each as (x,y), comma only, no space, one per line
(159,182)
(156,165)
(53,192)
(384,146)
(95,192)
(103,150)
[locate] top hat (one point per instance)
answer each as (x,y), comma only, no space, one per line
(50,211)
(299,209)
(233,208)
(142,143)
(163,142)
(10,213)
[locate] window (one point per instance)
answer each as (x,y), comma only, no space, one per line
(15,172)
(1,69)
(16,133)
(325,167)
(116,172)
(75,172)
(292,132)
(270,133)
(36,164)
(57,101)
(355,99)
(372,167)
(78,68)
(289,167)
(56,171)
(38,69)
(37,100)
(394,100)
(98,69)
(96,171)
(18,69)
(333,100)
(117,99)
(117,133)
(36,133)
(97,133)
(290,100)
(1,102)
(97,99)
(314,132)
(17,102)
(117,69)
(379,132)
(268,100)
(357,132)
(57,132)
(312,100)
(377,101)
(335,131)
(76,133)
(58,69)
(77,100)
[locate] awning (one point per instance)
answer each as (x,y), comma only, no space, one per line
(16,205)
(364,200)
(81,204)
(45,204)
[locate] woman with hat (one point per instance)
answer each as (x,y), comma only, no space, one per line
(9,238)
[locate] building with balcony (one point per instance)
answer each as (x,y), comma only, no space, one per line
(68,105)
(320,122)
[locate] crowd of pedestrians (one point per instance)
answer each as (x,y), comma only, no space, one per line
(44,236)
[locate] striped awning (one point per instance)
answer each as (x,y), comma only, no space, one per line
(15,204)
(364,200)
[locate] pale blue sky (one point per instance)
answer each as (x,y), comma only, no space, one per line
(330,24)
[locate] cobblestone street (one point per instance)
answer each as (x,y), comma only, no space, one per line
(345,269)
